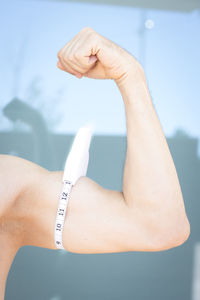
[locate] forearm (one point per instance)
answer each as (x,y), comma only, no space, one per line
(150,182)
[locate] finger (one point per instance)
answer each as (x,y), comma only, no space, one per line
(77,68)
(68,68)
(60,66)
(82,63)
(64,51)
(77,55)
(70,56)
(64,62)
(66,46)
(79,52)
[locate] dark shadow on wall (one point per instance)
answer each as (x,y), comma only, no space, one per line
(43,274)
(17,110)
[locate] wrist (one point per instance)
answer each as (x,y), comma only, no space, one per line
(133,87)
(134,76)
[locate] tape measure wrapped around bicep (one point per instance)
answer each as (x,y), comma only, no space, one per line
(76,165)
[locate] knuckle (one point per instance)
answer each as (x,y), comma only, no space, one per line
(77,55)
(70,58)
(94,36)
(59,55)
(86,28)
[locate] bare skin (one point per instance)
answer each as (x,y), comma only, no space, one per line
(148,215)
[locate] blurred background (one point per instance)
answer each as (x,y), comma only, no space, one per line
(42,108)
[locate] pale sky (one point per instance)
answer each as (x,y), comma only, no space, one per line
(32,32)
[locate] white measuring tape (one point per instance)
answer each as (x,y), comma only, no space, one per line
(76,165)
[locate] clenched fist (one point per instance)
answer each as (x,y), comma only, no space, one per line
(91,55)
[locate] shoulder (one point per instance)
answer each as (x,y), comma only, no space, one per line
(15,172)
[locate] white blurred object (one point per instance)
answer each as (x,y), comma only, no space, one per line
(77,161)
(149,24)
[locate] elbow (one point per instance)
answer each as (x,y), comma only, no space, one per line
(171,235)
(183,233)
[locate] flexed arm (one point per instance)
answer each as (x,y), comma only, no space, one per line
(151,188)
(148,215)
